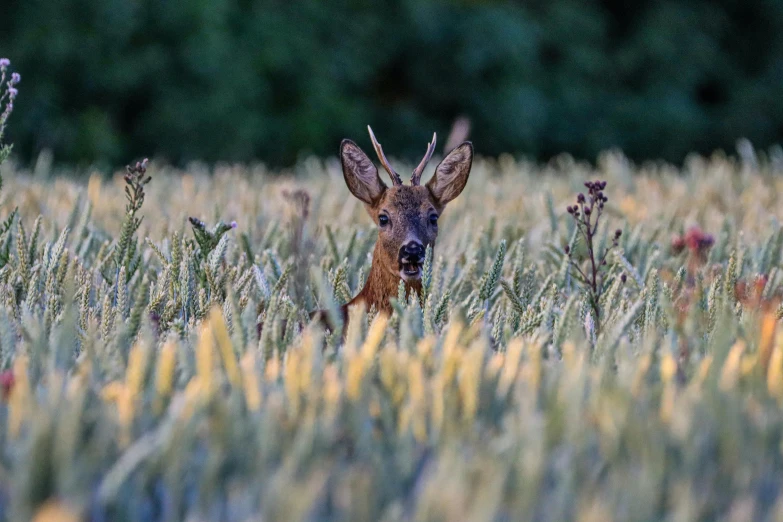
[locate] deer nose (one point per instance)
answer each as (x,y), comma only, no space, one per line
(412,250)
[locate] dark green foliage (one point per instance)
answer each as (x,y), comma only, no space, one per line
(206,243)
(261,79)
(5,239)
(205,239)
(5,152)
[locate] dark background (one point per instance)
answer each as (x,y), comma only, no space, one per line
(112,80)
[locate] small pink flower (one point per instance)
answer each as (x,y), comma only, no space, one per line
(16,78)
(4,62)
(6,383)
(233,224)
(12,92)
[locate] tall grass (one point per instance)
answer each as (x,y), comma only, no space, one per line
(139,385)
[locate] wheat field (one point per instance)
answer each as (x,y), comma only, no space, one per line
(138,385)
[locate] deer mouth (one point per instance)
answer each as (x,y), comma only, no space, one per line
(410,269)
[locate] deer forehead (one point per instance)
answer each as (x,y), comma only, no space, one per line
(409,201)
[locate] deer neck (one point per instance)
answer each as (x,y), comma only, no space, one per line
(381,286)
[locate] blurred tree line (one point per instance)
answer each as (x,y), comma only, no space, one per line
(111,80)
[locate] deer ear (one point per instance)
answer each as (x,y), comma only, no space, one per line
(451,175)
(360,174)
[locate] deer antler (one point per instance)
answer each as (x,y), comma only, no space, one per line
(418,171)
(396,180)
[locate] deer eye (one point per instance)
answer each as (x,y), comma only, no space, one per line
(383,220)
(434,219)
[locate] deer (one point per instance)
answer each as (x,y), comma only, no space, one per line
(406,216)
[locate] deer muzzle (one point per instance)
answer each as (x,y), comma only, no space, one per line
(411,260)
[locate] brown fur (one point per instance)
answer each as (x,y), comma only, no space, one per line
(408,209)
(380,286)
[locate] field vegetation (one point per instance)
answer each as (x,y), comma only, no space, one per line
(138,384)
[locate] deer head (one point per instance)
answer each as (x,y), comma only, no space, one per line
(406,215)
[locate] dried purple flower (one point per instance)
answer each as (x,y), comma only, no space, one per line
(586,214)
